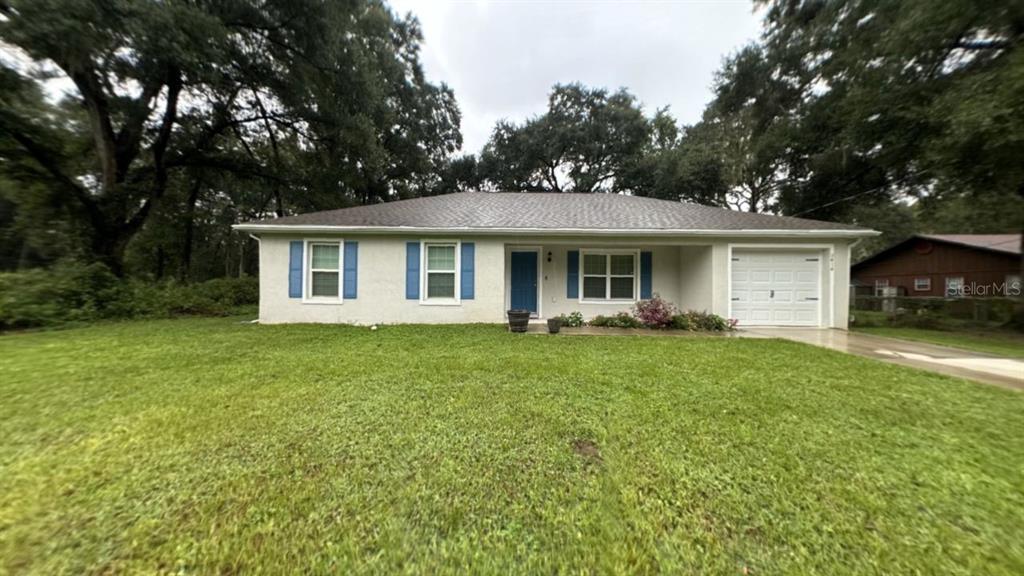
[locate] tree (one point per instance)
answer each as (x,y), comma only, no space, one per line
(321,104)
(586,142)
(929,93)
(748,127)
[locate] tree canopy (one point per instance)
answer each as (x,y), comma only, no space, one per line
(266,106)
(185,116)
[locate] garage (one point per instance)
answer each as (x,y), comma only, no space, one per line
(776,287)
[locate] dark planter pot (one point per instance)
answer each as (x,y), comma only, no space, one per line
(518,320)
(554,325)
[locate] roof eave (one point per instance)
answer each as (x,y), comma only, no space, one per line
(324,229)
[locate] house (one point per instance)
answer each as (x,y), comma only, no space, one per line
(945,265)
(469,257)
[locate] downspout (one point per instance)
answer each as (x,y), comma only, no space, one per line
(850,295)
(259,271)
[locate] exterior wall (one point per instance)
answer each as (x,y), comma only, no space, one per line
(665,278)
(692,273)
(381,287)
(922,258)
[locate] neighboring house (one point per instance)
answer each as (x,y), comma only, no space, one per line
(469,257)
(945,265)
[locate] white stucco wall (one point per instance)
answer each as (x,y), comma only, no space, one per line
(693,273)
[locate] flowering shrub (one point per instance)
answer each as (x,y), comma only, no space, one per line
(572,320)
(655,312)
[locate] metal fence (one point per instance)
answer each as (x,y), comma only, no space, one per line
(979,310)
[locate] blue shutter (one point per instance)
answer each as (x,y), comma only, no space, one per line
(572,275)
(466,278)
(351,269)
(295,269)
(412,270)
(646,264)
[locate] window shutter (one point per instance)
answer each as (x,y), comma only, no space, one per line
(412,270)
(295,269)
(351,279)
(466,278)
(572,275)
(646,264)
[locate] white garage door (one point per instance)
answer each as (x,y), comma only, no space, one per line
(776,288)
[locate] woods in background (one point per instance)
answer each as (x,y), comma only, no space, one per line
(182,118)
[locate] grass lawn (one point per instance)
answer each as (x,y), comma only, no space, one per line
(1002,343)
(210,446)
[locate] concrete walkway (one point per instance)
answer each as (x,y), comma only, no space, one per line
(978,366)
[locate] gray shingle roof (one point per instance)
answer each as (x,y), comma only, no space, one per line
(544,211)
(1009,243)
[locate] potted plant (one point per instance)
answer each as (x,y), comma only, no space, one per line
(554,324)
(518,320)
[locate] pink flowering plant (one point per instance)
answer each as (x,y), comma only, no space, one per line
(655,312)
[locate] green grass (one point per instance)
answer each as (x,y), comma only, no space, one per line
(1000,343)
(210,446)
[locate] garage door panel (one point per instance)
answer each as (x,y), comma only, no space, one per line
(809,316)
(783,296)
(810,276)
(782,276)
(776,287)
(806,295)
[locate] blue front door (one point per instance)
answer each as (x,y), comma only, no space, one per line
(524,281)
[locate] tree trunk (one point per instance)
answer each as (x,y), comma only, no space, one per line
(190,213)
(161,261)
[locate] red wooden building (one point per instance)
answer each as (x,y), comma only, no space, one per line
(949,265)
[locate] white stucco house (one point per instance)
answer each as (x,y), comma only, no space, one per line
(469,257)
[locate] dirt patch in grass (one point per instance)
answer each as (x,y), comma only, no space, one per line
(587,450)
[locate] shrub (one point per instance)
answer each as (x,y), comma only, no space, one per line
(573,319)
(655,312)
(73,292)
(620,320)
(702,321)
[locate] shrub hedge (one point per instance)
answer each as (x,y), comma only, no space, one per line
(74,292)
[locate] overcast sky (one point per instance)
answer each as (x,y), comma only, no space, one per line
(503,57)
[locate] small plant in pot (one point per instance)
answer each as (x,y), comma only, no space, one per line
(554,325)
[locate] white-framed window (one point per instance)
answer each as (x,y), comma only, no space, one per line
(609,275)
(954,286)
(922,284)
(440,272)
(880,286)
(323,270)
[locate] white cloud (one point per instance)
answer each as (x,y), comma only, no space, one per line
(502,58)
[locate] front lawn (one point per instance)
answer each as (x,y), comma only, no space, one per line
(211,446)
(997,342)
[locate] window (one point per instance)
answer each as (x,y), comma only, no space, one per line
(609,276)
(324,270)
(881,286)
(922,284)
(954,287)
(440,271)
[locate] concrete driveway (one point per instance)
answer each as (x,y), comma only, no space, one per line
(978,366)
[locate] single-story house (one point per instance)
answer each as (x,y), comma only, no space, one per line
(945,265)
(469,257)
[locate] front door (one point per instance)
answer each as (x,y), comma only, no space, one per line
(523,276)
